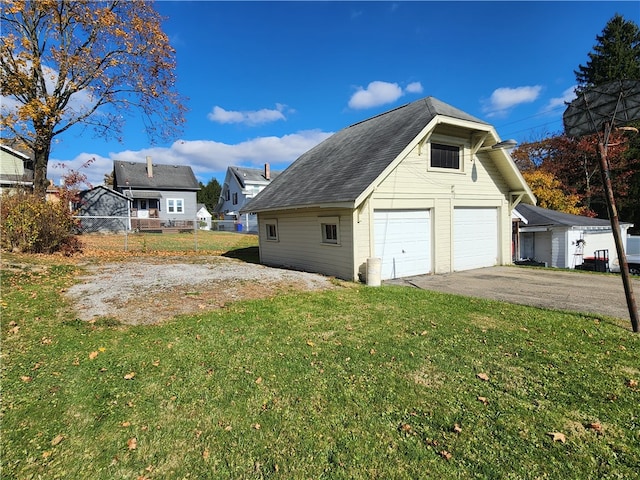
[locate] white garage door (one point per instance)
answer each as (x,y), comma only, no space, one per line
(475,238)
(403,242)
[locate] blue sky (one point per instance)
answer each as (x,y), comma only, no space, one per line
(267,81)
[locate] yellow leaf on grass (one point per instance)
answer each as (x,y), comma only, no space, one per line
(483,400)
(457,428)
(25,378)
(93,355)
(446,455)
(132,443)
(129,376)
(310,343)
(483,376)
(56,440)
(557,436)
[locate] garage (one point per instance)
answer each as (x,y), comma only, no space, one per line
(403,242)
(475,238)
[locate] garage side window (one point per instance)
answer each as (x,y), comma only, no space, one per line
(271,230)
(175,205)
(445,156)
(329,228)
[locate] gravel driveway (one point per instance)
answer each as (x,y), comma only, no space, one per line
(561,290)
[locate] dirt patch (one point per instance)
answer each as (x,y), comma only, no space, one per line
(144,291)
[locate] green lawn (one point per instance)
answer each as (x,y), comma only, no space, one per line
(357,382)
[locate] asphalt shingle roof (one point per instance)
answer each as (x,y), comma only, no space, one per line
(165,177)
(252,175)
(543,217)
(342,167)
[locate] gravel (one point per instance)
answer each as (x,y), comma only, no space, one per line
(145,291)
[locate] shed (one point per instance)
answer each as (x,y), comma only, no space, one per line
(563,240)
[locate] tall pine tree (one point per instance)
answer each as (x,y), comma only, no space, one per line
(616,56)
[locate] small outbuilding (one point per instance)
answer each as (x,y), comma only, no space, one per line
(424,188)
(101,209)
(562,240)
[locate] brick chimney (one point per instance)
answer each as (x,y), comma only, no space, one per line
(267,171)
(149,168)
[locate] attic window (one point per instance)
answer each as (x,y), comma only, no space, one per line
(445,156)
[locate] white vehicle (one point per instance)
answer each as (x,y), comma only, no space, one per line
(633,260)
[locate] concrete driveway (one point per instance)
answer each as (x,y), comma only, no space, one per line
(561,290)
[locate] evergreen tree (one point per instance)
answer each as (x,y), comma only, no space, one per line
(616,56)
(209,194)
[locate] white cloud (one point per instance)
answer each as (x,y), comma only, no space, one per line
(567,96)
(380,93)
(206,157)
(505,98)
(376,93)
(415,87)
(250,117)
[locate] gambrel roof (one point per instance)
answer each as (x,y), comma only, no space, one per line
(342,169)
(164,177)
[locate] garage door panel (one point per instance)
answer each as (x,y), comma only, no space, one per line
(475,238)
(403,242)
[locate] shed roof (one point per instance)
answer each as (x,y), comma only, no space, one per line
(543,217)
(342,167)
(165,177)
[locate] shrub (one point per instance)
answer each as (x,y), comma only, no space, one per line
(29,224)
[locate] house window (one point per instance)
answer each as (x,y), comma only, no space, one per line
(445,156)
(330,231)
(271,227)
(175,205)
(235,198)
(227,195)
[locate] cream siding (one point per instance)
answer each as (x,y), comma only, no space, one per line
(299,245)
(478,184)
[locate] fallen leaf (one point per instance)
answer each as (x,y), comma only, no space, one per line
(446,455)
(457,428)
(126,424)
(46,454)
(156,363)
(129,376)
(483,400)
(228,428)
(310,343)
(205,454)
(259,380)
(102,349)
(25,378)
(57,439)
(405,427)
(557,436)
(595,426)
(256,426)
(483,376)
(132,443)
(14,329)
(372,351)
(632,383)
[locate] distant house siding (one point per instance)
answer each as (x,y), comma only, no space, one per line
(103,202)
(190,206)
(299,245)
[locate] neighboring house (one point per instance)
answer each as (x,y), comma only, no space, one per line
(162,195)
(204,217)
(563,240)
(420,189)
(103,210)
(241,185)
(16,168)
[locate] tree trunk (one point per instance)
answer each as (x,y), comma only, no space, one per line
(41,152)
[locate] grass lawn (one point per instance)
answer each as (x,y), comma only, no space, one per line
(357,382)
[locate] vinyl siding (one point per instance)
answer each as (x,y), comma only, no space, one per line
(478,184)
(299,245)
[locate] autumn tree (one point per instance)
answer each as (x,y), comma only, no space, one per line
(84,62)
(550,193)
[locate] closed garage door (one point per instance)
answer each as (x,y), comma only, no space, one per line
(403,242)
(475,238)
